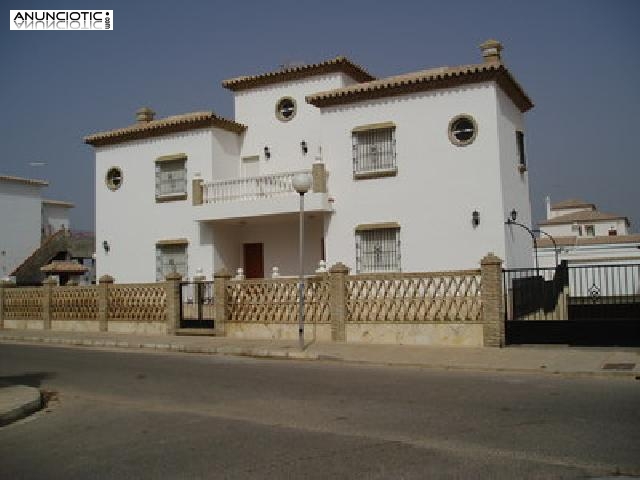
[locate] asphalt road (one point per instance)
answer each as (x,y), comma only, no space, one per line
(150,415)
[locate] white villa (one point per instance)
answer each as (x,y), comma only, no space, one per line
(585,235)
(415,172)
(26,219)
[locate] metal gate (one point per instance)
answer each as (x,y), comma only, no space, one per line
(196,305)
(574,305)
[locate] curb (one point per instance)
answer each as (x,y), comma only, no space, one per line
(27,401)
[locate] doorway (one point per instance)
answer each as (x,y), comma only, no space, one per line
(253,260)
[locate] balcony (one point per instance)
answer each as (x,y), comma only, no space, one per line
(258,196)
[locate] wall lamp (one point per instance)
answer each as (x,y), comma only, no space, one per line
(303,146)
(106,246)
(475,218)
(267,153)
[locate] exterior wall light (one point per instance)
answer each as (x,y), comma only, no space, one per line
(303,146)
(106,246)
(475,218)
(267,153)
(514,215)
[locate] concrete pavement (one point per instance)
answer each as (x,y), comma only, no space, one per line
(17,401)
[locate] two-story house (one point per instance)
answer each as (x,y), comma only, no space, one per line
(414,172)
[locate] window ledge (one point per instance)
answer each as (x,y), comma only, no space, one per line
(172,197)
(387,172)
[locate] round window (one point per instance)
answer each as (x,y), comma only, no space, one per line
(114,178)
(286,109)
(462,130)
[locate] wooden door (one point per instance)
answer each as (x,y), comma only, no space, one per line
(253,260)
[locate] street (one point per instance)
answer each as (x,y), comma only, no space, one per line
(118,414)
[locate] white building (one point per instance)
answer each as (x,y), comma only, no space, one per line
(415,172)
(25,218)
(584,235)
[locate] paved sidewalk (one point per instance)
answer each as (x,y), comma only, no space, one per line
(624,362)
(18,401)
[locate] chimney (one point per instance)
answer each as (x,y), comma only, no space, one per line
(491,51)
(144,115)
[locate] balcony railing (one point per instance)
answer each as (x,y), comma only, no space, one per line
(250,188)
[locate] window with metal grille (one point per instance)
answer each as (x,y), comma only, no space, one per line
(170,258)
(378,250)
(522,161)
(374,150)
(171,178)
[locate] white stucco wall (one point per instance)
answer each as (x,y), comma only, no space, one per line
(257,109)
(590,254)
(131,221)
(55,217)
(515,185)
(601,228)
(438,184)
(20,217)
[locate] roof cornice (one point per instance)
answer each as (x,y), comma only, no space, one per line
(164,126)
(25,181)
(334,65)
(425,80)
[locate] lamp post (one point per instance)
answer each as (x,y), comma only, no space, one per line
(301,184)
(512,221)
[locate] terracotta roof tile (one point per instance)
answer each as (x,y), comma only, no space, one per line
(573,203)
(337,64)
(58,203)
(423,80)
(27,181)
(584,216)
(163,126)
(64,267)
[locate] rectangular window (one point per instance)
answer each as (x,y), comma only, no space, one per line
(522,161)
(171,258)
(171,177)
(590,230)
(374,151)
(378,249)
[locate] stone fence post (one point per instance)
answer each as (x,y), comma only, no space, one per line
(4,284)
(492,301)
(220,281)
(103,301)
(47,294)
(174,300)
(338,301)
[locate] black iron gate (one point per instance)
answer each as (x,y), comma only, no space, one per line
(196,305)
(575,305)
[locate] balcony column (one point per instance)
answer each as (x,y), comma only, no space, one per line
(319,174)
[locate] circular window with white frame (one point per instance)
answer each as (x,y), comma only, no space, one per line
(285,109)
(113,179)
(463,130)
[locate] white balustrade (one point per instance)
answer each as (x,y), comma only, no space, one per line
(250,188)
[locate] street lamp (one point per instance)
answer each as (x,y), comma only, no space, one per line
(512,221)
(301,184)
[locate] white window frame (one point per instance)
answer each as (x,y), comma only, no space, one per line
(171,257)
(171,177)
(378,248)
(374,150)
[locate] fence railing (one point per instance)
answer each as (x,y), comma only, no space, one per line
(415,297)
(250,188)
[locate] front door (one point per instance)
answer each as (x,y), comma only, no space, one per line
(253,260)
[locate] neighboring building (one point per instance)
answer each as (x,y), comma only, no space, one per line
(34,231)
(584,235)
(414,172)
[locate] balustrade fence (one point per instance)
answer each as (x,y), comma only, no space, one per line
(250,188)
(334,299)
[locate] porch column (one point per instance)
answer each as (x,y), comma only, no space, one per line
(492,301)
(174,300)
(220,281)
(47,293)
(338,301)
(103,301)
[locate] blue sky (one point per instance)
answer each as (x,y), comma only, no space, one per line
(577,60)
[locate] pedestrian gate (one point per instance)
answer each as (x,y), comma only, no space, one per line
(196,305)
(575,305)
